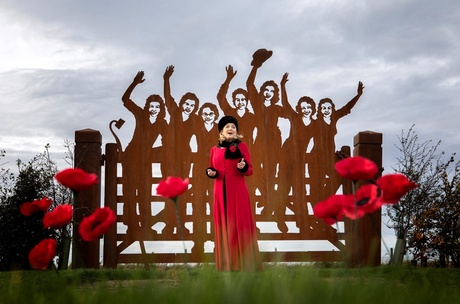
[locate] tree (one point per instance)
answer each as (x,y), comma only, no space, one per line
(6,180)
(421,163)
(19,234)
(436,232)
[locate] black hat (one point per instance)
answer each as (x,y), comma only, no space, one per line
(225,120)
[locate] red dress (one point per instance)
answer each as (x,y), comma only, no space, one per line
(236,245)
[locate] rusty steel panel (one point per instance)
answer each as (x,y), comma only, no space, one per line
(293,152)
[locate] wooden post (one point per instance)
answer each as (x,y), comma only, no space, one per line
(110,200)
(87,157)
(366,245)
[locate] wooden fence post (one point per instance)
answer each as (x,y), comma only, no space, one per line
(365,234)
(87,157)
(110,200)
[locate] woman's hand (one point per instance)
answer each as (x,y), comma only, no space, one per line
(139,78)
(241,164)
(360,88)
(211,173)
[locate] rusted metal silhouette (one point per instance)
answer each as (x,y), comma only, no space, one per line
(297,146)
(136,161)
(268,108)
(326,129)
(240,107)
(291,174)
(202,195)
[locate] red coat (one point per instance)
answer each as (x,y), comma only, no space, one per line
(236,245)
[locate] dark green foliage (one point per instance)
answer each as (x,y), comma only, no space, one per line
(19,234)
(6,180)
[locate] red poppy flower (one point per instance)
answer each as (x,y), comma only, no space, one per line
(172,187)
(76,179)
(41,255)
(365,201)
(331,209)
(59,217)
(232,148)
(356,168)
(41,205)
(394,187)
(96,224)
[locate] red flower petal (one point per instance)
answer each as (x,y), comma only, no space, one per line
(59,217)
(366,201)
(96,224)
(172,187)
(41,205)
(41,255)
(394,187)
(356,168)
(331,209)
(76,179)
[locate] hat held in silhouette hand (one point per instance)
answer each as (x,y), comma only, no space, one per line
(260,56)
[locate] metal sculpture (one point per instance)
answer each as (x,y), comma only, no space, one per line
(290,174)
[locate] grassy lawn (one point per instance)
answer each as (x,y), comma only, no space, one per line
(202,284)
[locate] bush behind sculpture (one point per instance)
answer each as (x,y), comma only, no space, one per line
(19,234)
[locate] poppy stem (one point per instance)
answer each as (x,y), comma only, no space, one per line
(179,225)
(358,262)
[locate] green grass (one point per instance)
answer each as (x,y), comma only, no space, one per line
(276,284)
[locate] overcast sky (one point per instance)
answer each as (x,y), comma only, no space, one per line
(65,64)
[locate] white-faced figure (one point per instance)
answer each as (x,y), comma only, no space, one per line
(240,99)
(155,107)
(269,92)
(208,113)
(326,108)
(188,104)
(306,107)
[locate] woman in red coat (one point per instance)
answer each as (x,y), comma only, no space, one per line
(236,245)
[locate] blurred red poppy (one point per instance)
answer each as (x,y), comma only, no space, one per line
(366,201)
(41,255)
(172,187)
(76,179)
(41,205)
(394,187)
(59,217)
(95,225)
(356,168)
(331,209)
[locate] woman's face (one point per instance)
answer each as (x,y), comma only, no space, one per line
(188,106)
(240,101)
(208,115)
(229,131)
(154,108)
(306,109)
(269,92)
(326,109)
